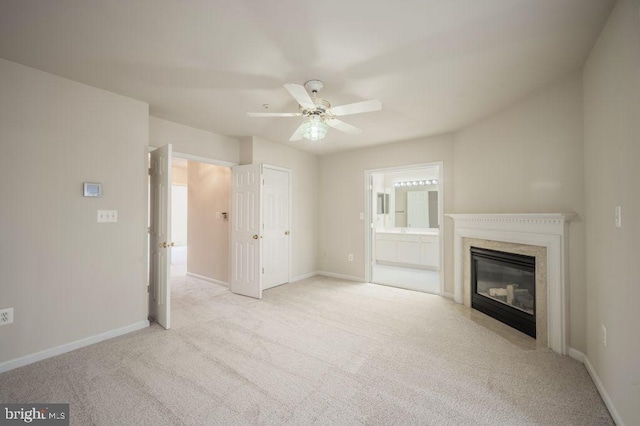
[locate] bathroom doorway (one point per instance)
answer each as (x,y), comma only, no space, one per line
(405,242)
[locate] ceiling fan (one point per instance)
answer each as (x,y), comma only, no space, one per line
(318,112)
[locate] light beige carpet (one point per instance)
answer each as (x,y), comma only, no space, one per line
(319,351)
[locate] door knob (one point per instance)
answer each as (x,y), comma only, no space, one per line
(255,237)
(286,232)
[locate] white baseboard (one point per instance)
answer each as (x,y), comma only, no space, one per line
(68,347)
(207,279)
(579,356)
(448,295)
(603,393)
(341,276)
(303,276)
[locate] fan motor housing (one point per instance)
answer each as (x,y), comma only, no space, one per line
(322,105)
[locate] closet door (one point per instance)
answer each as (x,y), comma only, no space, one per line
(246,236)
(276,245)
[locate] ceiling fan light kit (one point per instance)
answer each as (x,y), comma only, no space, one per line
(318,113)
(314,128)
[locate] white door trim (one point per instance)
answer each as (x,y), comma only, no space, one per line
(198,158)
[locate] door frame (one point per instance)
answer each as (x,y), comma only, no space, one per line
(185,156)
(368,213)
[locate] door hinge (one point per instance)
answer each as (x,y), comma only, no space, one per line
(147,289)
(149,171)
(370,187)
(263,270)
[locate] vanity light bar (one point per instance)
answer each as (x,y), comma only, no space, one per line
(417,183)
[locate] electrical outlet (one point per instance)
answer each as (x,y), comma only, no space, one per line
(350,257)
(604,336)
(6,316)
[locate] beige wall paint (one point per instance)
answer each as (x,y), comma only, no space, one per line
(528,159)
(246,150)
(208,236)
(188,140)
(179,175)
(342,199)
(612,177)
(305,199)
(67,276)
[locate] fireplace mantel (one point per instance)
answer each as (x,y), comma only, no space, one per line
(548,230)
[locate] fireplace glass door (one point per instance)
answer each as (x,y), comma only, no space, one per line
(504,287)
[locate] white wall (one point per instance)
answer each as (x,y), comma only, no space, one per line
(528,158)
(305,191)
(67,276)
(342,199)
(188,140)
(612,177)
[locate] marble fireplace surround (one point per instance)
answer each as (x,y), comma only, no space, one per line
(548,230)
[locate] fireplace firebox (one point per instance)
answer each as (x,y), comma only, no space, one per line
(503,285)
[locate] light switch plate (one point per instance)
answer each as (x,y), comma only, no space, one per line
(6,316)
(105,216)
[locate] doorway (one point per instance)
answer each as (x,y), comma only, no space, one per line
(404,242)
(194,191)
(272,229)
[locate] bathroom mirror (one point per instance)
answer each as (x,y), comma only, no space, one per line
(416,207)
(382,203)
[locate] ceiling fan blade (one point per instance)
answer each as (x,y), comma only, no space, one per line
(274,114)
(357,108)
(301,95)
(297,135)
(343,127)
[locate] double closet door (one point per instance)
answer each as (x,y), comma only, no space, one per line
(260,228)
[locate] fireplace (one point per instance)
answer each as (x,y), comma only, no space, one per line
(541,235)
(503,286)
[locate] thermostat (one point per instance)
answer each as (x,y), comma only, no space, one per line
(92,189)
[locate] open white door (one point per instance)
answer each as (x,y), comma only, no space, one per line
(246,236)
(276,226)
(160,235)
(417,209)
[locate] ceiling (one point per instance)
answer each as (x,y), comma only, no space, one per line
(436,65)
